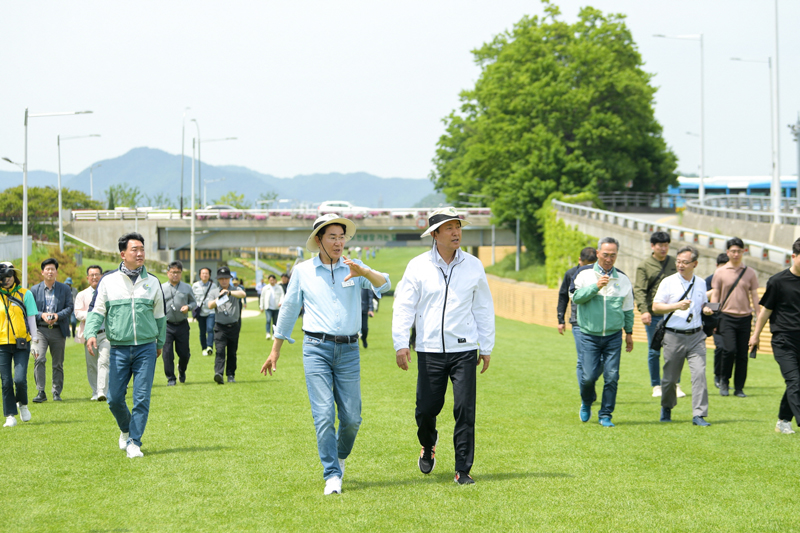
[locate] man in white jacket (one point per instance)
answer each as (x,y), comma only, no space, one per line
(269,302)
(444,293)
(96,366)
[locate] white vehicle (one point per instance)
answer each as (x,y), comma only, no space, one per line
(341,208)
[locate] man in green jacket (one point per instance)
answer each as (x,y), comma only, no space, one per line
(131,303)
(649,274)
(604,297)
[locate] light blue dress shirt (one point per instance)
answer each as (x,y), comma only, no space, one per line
(332,306)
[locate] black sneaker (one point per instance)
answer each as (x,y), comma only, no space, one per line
(740,394)
(462,478)
(716,381)
(427,459)
(218,379)
(171,383)
(723,387)
(231,379)
(182,377)
(41,397)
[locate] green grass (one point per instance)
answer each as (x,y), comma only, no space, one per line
(243,457)
(531,269)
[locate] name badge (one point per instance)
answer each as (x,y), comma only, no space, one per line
(348,283)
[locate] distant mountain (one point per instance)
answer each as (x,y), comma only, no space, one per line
(158,172)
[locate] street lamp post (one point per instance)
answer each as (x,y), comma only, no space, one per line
(25,186)
(774,164)
(796,134)
(699,37)
(776,172)
(191,237)
(60,222)
(91,179)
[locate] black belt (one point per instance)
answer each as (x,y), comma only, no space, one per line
(101,331)
(684,331)
(338,339)
(176,323)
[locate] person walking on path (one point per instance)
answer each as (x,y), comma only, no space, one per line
(226,301)
(649,274)
(96,366)
(130,302)
(682,297)
(588,257)
(605,309)
(736,286)
(178,302)
(54,300)
(329,286)
(445,294)
(204,316)
(18,334)
(781,306)
(269,302)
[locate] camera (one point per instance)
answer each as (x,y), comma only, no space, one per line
(5,273)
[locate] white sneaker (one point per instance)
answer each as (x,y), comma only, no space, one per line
(11,421)
(679,393)
(657,391)
(341,466)
(269,336)
(333,485)
(93,398)
(134,451)
(24,413)
(123,441)
(784,426)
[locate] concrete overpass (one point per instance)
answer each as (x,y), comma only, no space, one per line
(166,232)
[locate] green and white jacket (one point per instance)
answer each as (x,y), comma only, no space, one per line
(133,312)
(603,311)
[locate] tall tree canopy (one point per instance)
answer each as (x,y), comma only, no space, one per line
(557,107)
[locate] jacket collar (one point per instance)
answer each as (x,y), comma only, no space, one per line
(597,268)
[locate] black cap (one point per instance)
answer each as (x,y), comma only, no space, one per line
(223,272)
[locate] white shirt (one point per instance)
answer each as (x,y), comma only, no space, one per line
(461,322)
(670,291)
(271,297)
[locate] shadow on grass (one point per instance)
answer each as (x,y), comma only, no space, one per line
(189,449)
(657,422)
(447,477)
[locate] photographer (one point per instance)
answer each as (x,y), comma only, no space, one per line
(226,328)
(17,330)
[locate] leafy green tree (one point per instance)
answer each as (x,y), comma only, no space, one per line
(42,208)
(234,200)
(557,107)
(160,201)
(265,199)
(124,195)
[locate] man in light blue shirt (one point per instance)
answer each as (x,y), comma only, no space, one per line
(329,287)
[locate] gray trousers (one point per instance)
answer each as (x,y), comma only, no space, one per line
(52,339)
(97,366)
(692,348)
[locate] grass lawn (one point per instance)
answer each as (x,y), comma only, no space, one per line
(242,457)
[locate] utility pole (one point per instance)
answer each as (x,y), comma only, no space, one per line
(796,133)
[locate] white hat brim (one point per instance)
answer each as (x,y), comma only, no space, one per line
(433,228)
(350,230)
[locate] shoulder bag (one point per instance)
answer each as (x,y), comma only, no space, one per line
(196,310)
(711,322)
(661,330)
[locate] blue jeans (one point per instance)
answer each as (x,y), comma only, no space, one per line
(333,379)
(576,333)
(272,317)
(601,355)
(139,362)
(15,389)
(653,355)
(210,321)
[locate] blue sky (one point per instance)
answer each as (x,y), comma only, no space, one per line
(315,86)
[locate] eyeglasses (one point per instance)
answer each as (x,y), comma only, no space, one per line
(335,238)
(679,262)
